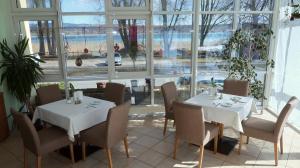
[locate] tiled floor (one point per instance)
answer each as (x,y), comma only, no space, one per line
(148,148)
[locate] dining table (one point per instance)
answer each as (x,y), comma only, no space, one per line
(74,117)
(227,111)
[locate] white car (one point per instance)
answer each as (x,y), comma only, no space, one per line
(118,59)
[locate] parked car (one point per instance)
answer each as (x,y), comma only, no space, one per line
(118,59)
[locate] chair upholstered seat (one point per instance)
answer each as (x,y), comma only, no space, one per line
(114,92)
(259,128)
(169,92)
(108,133)
(191,128)
(94,134)
(48,94)
(236,87)
(211,131)
(269,130)
(52,138)
(42,142)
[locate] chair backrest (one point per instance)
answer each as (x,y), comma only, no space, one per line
(48,94)
(28,132)
(190,124)
(283,116)
(236,87)
(117,121)
(169,92)
(114,92)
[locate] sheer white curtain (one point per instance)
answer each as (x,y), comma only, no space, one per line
(286,78)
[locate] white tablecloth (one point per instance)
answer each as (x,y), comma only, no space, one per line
(74,117)
(221,111)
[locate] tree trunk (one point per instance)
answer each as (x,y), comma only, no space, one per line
(46,23)
(41,39)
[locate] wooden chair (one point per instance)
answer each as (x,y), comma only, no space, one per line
(114,92)
(40,143)
(169,92)
(236,87)
(48,94)
(191,127)
(268,130)
(108,133)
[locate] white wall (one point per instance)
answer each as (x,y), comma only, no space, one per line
(286,78)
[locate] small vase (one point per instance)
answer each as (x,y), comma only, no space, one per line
(213,91)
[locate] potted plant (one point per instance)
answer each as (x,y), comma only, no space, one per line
(213,89)
(20,71)
(241,50)
(295,12)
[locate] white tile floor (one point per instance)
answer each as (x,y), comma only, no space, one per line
(148,148)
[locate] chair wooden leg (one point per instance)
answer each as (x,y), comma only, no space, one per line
(165,127)
(216,144)
(201,156)
(108,152)
(175,147)
(221,129)
(276,153)
(72,153)
(38,161)
(174,123)
(25,158)
(126,146)
(247,140)
(281,144)
(83,150)
(240,144)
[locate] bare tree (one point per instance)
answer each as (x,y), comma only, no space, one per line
(50,35)
(255,5)
(169,23)
(40,33)
(209,21)
(131,46)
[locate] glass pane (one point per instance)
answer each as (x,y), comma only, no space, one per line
(128,3)
(82,5)
(216,5)
(204,80)
(183,85)
(137,90)
(85,44)
(214,31)
(256,23)
(257,5)
(89,88)
(42,43)
(172,40)
(34,3)
(129,37)
(171,5)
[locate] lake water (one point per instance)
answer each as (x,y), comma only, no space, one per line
(211,38)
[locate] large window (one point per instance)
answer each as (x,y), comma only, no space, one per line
(217,22)
(43,42)
(129,41)
(172,37)
(85,45)
(34,3)
(140,43)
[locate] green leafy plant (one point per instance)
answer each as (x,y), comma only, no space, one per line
(212,82)
(20,71)
(240,51)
